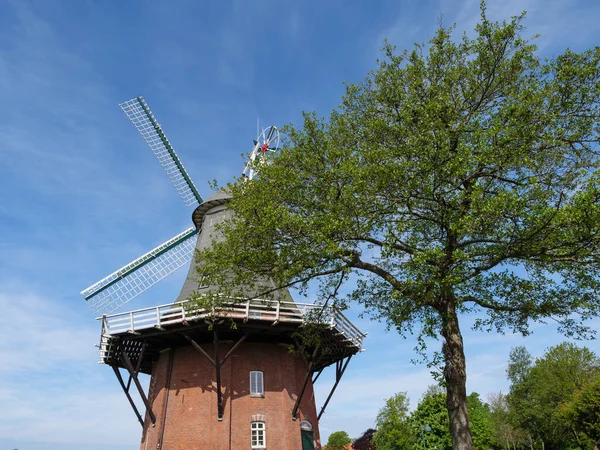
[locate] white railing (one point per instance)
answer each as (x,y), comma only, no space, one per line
(273,312)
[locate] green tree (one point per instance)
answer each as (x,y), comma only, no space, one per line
(582,413)
(519,363)
(482,429)
(540,400)
(430,421)
(338,440)
(393,428)
(459,177)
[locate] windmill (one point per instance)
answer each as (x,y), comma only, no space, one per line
(259,386)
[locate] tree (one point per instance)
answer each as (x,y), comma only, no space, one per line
(460,177)
(393,428)
(366,441)
(430,421)
(545,401)
(482,429)
(338,440)
(582,413)
(504,429)
(519,363)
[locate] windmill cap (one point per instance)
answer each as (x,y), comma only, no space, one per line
(219,195)
(218,198)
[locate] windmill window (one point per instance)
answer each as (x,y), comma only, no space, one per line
(305,425)
(257,435)
(257,387)
(202,282)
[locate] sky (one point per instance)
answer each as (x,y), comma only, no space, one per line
(81,194)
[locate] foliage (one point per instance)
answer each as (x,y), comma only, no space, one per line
(431,411)
(394,431)
(519,363)
(459,177)
(366,441)
(482,428)
(554,399)
(582,413)
(507,434)
(338,440)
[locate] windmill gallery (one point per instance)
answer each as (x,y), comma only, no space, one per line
(219,379)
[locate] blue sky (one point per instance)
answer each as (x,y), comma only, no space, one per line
(81,194)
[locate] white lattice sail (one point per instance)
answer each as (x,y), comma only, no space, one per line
(140,114)
(128,282)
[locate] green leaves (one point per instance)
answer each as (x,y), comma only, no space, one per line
(338,440)
(394,430)
(428,425)
(430,421)
(553,398)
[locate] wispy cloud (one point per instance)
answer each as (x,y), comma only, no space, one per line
(51,388)
(43,329)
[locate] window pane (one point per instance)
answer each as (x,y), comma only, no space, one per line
(257,434)
(256,383)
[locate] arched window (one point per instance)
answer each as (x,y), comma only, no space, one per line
(257,387)
(305,425)
(257,435)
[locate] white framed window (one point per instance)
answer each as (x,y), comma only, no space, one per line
(257,386)
(202,281)
(257,435)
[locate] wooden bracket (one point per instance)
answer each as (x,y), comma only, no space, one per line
(217,362)
(133,376)
(340,368)
(309,372)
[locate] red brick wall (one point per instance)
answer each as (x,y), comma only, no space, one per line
(191,411)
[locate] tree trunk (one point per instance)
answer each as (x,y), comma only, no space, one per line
(455,375)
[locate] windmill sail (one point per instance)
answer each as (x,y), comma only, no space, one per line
(128,282)
(140,114)
(267,141)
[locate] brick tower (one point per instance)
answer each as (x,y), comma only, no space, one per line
(227,380)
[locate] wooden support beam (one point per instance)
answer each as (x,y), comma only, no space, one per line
(166,401)
(217,362)
(237,344)
(340,368)
(126,390)
(306,378)
(131,371)
(200,349)
(317,376)
(218,370)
